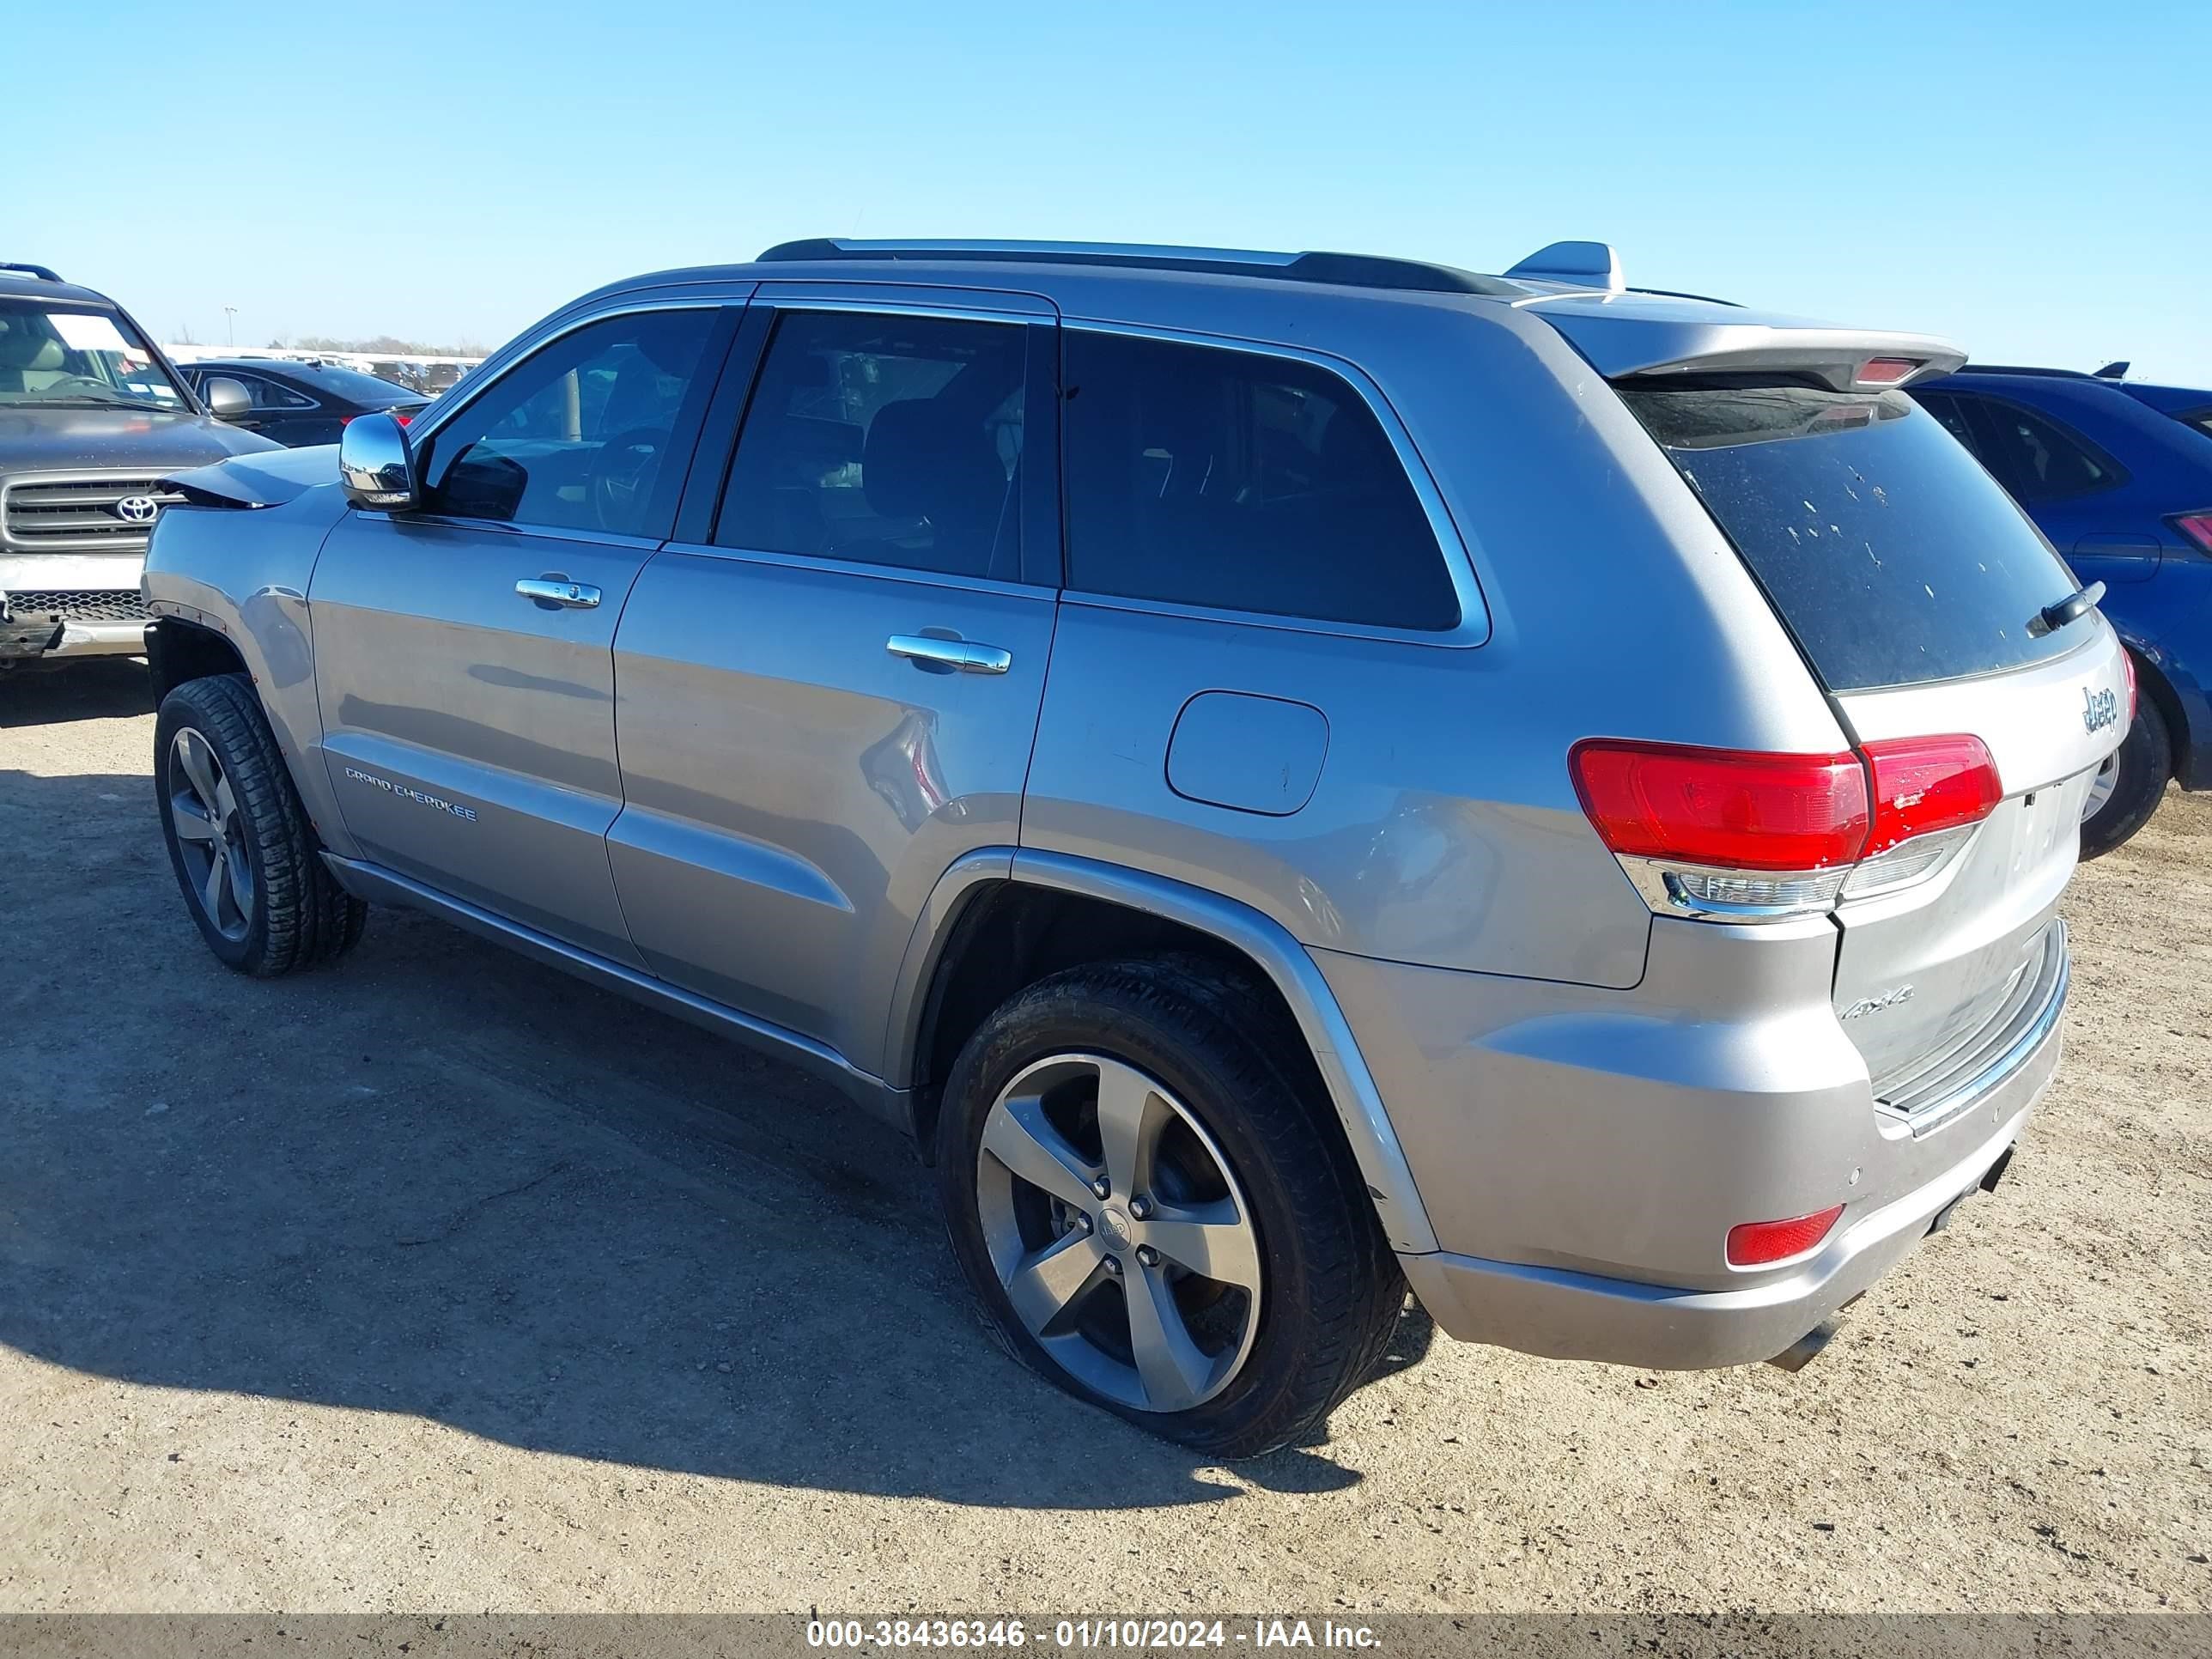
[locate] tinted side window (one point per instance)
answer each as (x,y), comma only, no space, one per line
(577,436)
(1946,407)
(883,440)
(2036,457)
(1237,481)
(269,394)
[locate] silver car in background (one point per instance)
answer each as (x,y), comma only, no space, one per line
(1289,775)
(92,417)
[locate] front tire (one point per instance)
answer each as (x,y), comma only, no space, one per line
(1155,1207)
(2128,789)
(246,858)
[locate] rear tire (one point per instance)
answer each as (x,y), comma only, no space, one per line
(1243,1341)
(246,858)
(2145,761)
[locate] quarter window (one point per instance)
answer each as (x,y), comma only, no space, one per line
(579,435)
(1947,408)
(268,394)
(884,440)
(1202,475)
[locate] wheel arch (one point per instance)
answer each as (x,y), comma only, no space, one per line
(999,919)
(2152,681)
(178,651)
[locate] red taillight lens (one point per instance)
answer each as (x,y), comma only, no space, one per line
(1925,784)
(2128,661)
(1884,371)
(403,419)
(1755,1243)
(1734,808)
(2197,527)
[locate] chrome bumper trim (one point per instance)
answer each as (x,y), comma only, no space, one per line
(1925,1117)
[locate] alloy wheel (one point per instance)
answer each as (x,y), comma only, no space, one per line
(1119,1232)
(2101,787)
(211,835)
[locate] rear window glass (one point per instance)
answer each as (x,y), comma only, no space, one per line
(1888,552)
(355,386)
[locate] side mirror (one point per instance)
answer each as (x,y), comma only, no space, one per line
(226,399)
(375,465)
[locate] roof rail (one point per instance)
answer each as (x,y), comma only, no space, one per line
(1679,294)
(44,273)
(1347,270)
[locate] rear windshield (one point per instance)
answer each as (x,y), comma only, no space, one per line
(1882,545)
(352,385)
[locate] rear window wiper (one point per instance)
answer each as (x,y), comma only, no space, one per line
(2075,606)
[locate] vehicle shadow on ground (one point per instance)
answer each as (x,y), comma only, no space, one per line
(442,1181)
(100,688)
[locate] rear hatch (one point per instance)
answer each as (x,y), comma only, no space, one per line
(1916,591)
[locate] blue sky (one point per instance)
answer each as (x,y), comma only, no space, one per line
(2028,179)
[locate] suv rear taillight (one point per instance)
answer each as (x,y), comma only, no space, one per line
(2197,527)
(1922,785)
(1742,808)
(1744,835)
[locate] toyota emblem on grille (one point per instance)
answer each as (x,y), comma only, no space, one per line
(137,509)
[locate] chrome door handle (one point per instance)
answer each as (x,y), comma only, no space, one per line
(567,595)
(968,657)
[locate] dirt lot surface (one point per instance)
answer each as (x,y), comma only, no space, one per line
(441,1282)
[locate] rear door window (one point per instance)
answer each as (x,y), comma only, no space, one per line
(2038,458)
(1887,552)
(1236,481)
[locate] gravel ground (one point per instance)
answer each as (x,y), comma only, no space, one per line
(444,1283)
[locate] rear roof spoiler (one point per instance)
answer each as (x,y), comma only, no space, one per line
(1649,337)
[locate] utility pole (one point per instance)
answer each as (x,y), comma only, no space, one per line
(230,326)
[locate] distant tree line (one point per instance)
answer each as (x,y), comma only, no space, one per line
(384,345)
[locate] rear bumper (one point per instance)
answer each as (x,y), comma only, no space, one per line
(1581,1153)
(1564,1314)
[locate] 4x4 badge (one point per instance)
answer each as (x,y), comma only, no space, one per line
(1880,1000)
(2099,709)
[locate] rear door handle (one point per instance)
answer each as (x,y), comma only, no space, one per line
(962,654)
(555,592)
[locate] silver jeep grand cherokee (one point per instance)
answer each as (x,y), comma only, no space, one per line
(1288,774)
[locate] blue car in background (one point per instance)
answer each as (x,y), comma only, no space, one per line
(2119,475)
